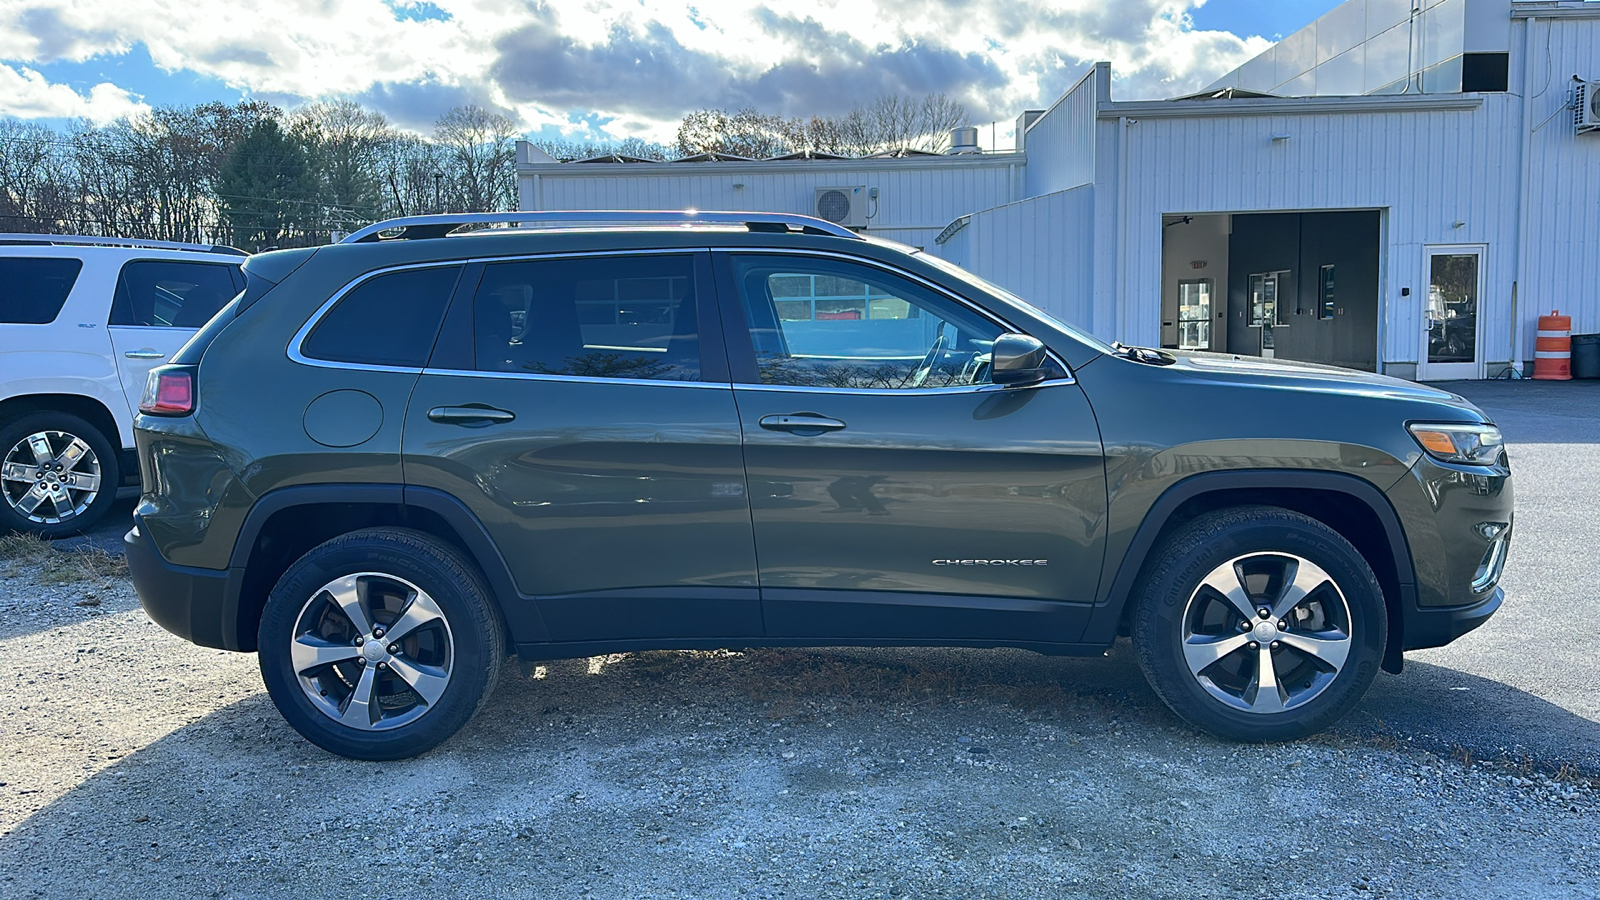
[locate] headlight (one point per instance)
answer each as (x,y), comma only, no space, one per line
(1474,445)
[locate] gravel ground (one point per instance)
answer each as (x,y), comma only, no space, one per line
(134,764)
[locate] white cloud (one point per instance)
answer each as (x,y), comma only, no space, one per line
(638,65)
(26,94)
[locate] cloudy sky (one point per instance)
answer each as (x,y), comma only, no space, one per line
(606,69)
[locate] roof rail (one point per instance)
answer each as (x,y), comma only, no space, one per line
(89,240)
(415,227)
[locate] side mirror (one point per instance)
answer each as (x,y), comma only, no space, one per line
(1018,359)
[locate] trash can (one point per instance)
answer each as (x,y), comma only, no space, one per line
(1586,356)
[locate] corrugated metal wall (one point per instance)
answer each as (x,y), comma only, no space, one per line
(1037,249)
(1562,265)
(916,199)
(1060,143)
(1426,170)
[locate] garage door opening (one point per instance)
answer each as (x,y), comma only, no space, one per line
(1300,286)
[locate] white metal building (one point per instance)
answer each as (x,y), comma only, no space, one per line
(1414,217)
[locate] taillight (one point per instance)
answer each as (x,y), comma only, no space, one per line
(168,392)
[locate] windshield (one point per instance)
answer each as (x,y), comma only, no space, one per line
(989,286)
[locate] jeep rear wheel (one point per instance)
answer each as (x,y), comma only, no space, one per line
(1259,624)
(58,475)
(380,644)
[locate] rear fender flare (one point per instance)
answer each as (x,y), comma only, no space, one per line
(520,614)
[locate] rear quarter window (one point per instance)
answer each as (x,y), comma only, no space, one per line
(172,294)
(387,320)
(33,289)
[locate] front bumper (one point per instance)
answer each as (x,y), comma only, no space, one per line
(1426,627)
(189,602)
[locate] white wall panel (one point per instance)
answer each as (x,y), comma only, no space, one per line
(1425,169)
(1039,249)
(1060,144)
(916,198)
(1562,267)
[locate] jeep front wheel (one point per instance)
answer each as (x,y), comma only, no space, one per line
(1259,624)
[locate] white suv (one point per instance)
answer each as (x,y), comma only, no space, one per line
(82,322)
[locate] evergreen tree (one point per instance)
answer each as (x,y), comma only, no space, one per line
(268,190)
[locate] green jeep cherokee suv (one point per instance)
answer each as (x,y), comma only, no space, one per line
(391,462)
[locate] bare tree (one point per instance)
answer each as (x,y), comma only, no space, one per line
(413,172)
(479,143)
(35,178)
(937,115)
(346,146)
(747,132)
(568,151)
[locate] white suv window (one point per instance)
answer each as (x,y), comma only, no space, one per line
(163,294)
(33,289)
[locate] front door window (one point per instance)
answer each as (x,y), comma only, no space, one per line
(835,324)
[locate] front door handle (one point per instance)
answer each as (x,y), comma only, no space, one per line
(808,424)
(470,416)
(145,353)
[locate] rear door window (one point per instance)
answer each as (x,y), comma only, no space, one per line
(33,289)
(387,320)
(593,317)
(171,294)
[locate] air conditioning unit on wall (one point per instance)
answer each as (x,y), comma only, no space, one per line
(1586,106)
(845,206)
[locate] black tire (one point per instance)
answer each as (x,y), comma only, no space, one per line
(1174,609)
(61,427)
(473,644)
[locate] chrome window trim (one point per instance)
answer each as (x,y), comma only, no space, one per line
(296,352)
(577,379)
(904,392)
(937,288)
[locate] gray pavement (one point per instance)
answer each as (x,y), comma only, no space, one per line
(1526,684)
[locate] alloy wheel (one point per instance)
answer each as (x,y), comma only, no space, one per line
(372,651)
(1266,632)
(49,477)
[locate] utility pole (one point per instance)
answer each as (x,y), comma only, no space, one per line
(438,204)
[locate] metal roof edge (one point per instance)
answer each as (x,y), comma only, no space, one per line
(1286,106)
(1554,11)
(1094,68)
(772,165)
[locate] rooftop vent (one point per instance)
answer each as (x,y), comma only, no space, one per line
(963,140)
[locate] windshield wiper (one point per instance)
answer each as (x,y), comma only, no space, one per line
(1141,354)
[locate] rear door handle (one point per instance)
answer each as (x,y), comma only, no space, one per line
(471,416)
(145,353)
(800,423)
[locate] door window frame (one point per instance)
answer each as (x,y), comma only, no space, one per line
(454,347)
(235,272)
(1449,371)
(1207,320)
(741,358)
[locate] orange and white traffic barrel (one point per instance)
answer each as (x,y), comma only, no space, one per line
(1552,350)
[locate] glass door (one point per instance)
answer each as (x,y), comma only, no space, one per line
(1194,314)
(1265,311)
(1450,313)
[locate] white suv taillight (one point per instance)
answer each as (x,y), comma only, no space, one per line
(168,392)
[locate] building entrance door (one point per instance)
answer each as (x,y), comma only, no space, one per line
(1452,339)
(1267,309)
